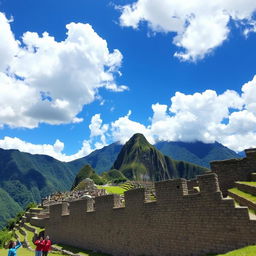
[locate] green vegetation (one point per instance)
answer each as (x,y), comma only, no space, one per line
(250,183)
(114,176)
(246,251)
(5,236)
(38,230)
(32,205)
(25,252)
(8,208)
(243,194)
(113,189)
(139,160)
(86,172)
(127,185)
(27,178)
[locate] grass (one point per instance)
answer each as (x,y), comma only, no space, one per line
(113,189)
(127,185)
(243,194)
(250,183)
(30,236)
(25,252)
(21,237)
(246,251)
(38,230)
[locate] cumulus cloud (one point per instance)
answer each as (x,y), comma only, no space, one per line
(98,130)
(123,128)
(97,140)
(228,118)
(54,150)
(44,80)
(199,27)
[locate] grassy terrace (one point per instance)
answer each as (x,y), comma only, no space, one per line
(38,230)
(250,183)
(243,194)
(21,237)
(246,251)
(113,189)
(30,236)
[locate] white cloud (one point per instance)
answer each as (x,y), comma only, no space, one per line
(54,150)
(98,130)
(199,27)
(123,129)
(44,80)
(228,118)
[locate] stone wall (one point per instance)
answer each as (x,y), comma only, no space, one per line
(177,223)
(232,170)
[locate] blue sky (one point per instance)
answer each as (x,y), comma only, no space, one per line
(162,48)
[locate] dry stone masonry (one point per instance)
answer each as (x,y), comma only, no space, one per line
(187,217)
(230,171)
(177,223)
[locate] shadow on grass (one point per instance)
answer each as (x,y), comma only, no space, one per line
(80,251)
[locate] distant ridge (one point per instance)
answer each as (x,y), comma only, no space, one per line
(196,152)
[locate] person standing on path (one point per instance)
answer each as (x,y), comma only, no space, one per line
(39,246)
(46,246)
(13,247)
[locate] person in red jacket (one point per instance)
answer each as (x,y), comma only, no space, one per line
(39,246)
(46,246)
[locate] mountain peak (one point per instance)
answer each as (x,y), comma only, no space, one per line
(138,142)
(139,160)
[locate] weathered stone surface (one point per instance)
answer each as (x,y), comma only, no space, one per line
(177,223)
(230,171)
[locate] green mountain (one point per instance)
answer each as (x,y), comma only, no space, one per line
(196,152)
(100,160)
(26,178)
(139,160)
(86,172)
(8,207)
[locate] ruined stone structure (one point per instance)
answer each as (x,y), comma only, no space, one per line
(177,223)
(232,170)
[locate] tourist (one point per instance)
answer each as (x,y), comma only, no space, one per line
(39,246)
(46,246)
(13,246)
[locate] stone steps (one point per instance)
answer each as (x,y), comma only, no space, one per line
(247,187)
(242,199)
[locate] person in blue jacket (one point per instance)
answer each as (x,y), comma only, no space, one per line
(13,247)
